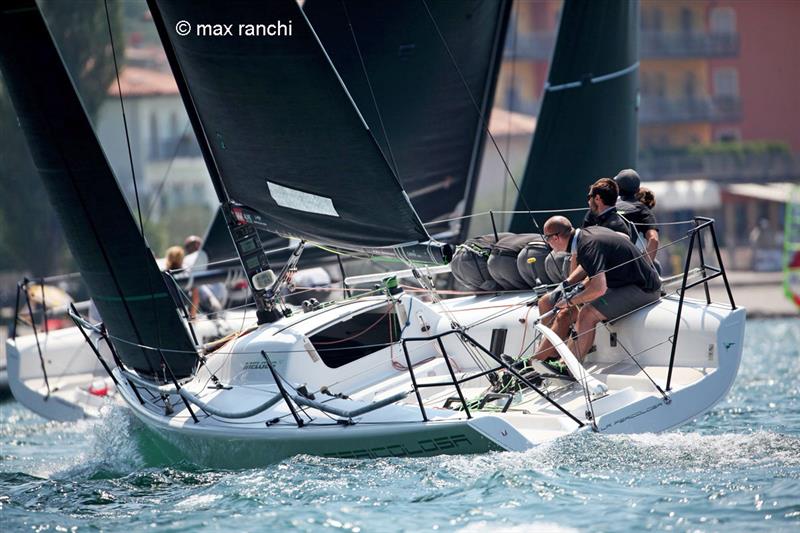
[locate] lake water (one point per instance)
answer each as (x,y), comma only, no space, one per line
(735,469)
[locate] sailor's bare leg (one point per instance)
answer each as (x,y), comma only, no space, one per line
(560,326)
(588,317)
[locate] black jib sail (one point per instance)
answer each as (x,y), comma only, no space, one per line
(282,135)
(587,125)
(120,272)
(395,59)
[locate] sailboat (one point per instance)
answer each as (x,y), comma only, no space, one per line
(384,374)
(59,377)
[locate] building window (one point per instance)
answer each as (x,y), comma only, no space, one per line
(687,20)
(723,20)
(726,81)
(154,148)
(173,124)
(661,85)
(728,135)
(657,20)
(690,86)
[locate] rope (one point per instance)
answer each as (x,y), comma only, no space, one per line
(369,85)
(515,17)
(480,114)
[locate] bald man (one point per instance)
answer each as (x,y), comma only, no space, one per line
(618,280)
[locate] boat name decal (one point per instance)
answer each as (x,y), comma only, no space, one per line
(425,446)
(255,365)
(631,416)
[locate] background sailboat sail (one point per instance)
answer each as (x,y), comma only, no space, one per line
(587,125)
(119,271)
(399,71)
(283,136)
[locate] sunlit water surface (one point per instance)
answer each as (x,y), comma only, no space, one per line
(736,469)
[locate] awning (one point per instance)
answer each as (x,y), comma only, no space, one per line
(685,194)
(773,192)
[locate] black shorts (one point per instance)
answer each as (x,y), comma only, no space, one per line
(618,301)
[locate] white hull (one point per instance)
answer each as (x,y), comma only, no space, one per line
(707,360)
(75,376)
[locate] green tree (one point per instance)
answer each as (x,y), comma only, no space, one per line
(30,236)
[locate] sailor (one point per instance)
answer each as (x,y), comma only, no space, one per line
(620,280)
(602,199)
(637,212)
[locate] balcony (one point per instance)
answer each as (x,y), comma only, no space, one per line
(766,163)
(653,45)
(668,45)
(176,147)
(531,46)
(661,110)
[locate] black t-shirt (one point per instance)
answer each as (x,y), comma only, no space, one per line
(600,249)
(610,219)
(638,213)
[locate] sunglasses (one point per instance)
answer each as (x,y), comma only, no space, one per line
(548,236)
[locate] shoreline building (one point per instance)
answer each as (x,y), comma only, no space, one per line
(718,114)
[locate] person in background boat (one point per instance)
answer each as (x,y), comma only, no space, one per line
(196,257)
(192,244)
(173,258)
(637,212)
(602,199)
(620,280)
(202,299)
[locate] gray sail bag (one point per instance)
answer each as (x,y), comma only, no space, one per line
(503,261)
(470,263)
(531,262)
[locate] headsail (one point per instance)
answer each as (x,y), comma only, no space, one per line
(282,134)
(587,125)
(120,272)
(394,58)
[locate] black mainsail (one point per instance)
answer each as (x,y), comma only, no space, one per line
(425,106)
(587,125)
(118,269)
(281,134)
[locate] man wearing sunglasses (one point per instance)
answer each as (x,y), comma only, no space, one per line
(619,280)
(602,199)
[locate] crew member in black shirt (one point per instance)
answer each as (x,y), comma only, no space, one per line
(602,198)
(635,211)
(620,280)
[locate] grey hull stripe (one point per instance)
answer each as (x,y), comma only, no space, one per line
(351,413)
(188,396)
(596,79)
